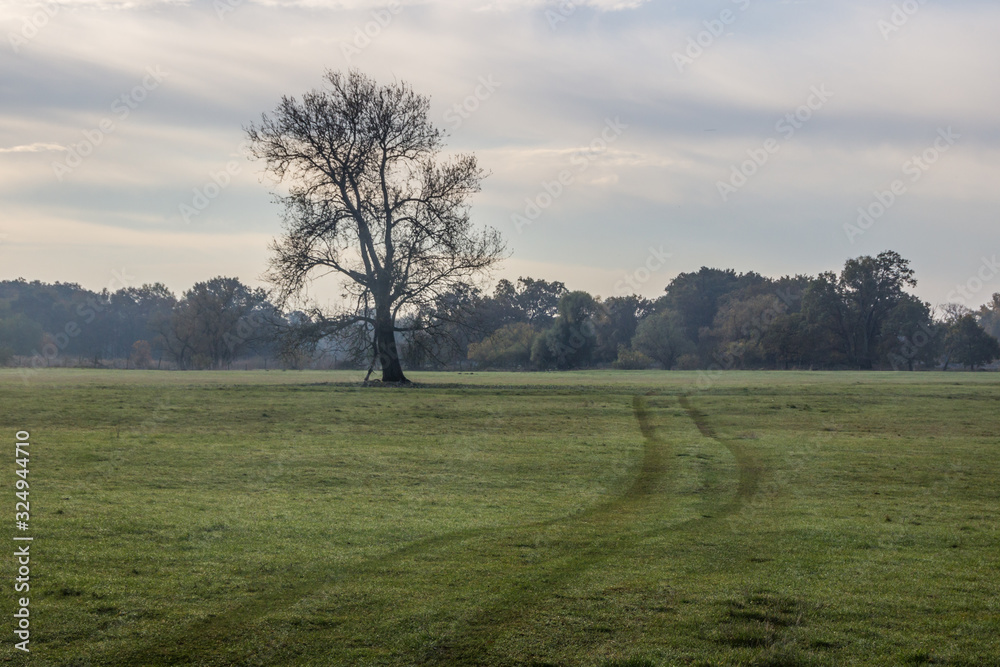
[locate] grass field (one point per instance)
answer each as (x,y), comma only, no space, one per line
(594,518)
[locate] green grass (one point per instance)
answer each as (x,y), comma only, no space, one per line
(599,518)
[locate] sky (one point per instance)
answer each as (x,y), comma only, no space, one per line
(780,136)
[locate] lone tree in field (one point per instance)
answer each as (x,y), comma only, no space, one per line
(369,199)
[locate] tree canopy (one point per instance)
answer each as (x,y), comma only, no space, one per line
(970,344)
(854,307)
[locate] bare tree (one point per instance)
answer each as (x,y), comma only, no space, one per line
(369,200)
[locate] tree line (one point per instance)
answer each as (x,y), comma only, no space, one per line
(860,318)
(211,325)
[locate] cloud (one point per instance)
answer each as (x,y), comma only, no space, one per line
(55,5)
(608,59)
(38,147)
(479,5)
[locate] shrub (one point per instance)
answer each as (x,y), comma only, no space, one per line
(688,362)
(631,360)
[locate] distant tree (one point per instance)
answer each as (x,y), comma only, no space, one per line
(19,335)
(295,341)
(789,289)
(142,354)
(629,359)
(369,200)
(741,335)
(740,326)
(490,312)
(72,319)
(854,306)
(910,335)
(787,341)
(570,341)
(132,313)
(177,334)
(661,337)
(695,297)
(953,312)
(417,347)
(989,316)
(216,322)
(539,300)
(530,301)
(969,343)
(51,306)
(616,321)
(459,318)
(507,347)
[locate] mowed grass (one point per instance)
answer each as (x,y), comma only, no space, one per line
(594,518)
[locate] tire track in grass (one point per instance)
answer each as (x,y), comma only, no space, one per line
(472,646)
(592,537)
(202,637)
(750,469)
(603,531)
(219,629)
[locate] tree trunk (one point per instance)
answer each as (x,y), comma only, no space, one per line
(385,349)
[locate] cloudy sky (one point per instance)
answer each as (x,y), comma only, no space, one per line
(746,134)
